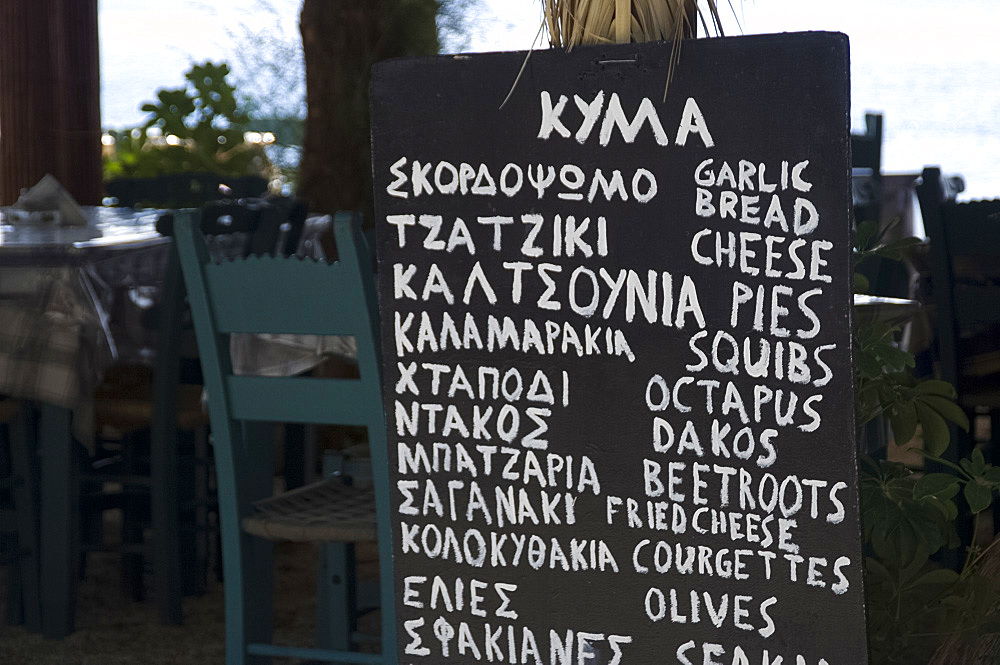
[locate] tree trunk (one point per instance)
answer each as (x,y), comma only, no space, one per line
(50,112)
(341,40)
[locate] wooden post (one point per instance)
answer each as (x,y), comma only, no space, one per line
(50,113)
(340,40)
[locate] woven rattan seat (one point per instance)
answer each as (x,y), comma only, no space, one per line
(327,511)
(128,408)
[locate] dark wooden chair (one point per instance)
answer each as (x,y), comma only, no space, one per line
(965,291)
(965,283)
(866,148)
(885,278)
(866,169)
(273,294)
(163,426)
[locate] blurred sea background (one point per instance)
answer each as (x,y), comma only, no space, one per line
(932,68)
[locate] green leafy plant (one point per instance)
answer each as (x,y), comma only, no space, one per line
(914,603)
(908,516)
(886,385)
(198,127)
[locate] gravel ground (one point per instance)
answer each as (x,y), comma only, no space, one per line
(112,630)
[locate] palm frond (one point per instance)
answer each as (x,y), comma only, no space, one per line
(575,22)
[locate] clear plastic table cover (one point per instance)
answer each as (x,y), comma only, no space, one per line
(56,293)
(74,300)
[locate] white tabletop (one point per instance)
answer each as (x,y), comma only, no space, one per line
(106,229)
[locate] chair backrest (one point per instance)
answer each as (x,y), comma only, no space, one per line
(965,264)
(181,190)
(271,225)
(265,226)
(866,170)
(885,278)
(292,212)
(276,294)
(268,294)
(866,148)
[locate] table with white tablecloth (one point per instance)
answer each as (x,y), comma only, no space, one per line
(55,341)
(55,299)
(74,300)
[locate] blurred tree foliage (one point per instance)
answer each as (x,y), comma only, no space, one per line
(455,24)
(198,127)
(269,75)
(341,40)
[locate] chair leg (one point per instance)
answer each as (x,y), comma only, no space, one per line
(295,456)
(57,579)
(258,590)
(336,604)
(9,536)
(186,478)
(91,523)
(248,562)
(132,526)
(167,571)
(309,455)
(201,495)
(24,464)
(10,547)
(336,584)
(236,572)
(15,589)
(165,520)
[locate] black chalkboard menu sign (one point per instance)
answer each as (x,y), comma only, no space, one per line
(617,350)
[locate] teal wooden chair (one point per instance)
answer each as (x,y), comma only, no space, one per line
(289,295)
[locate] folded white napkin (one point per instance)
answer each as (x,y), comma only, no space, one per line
(48,200)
